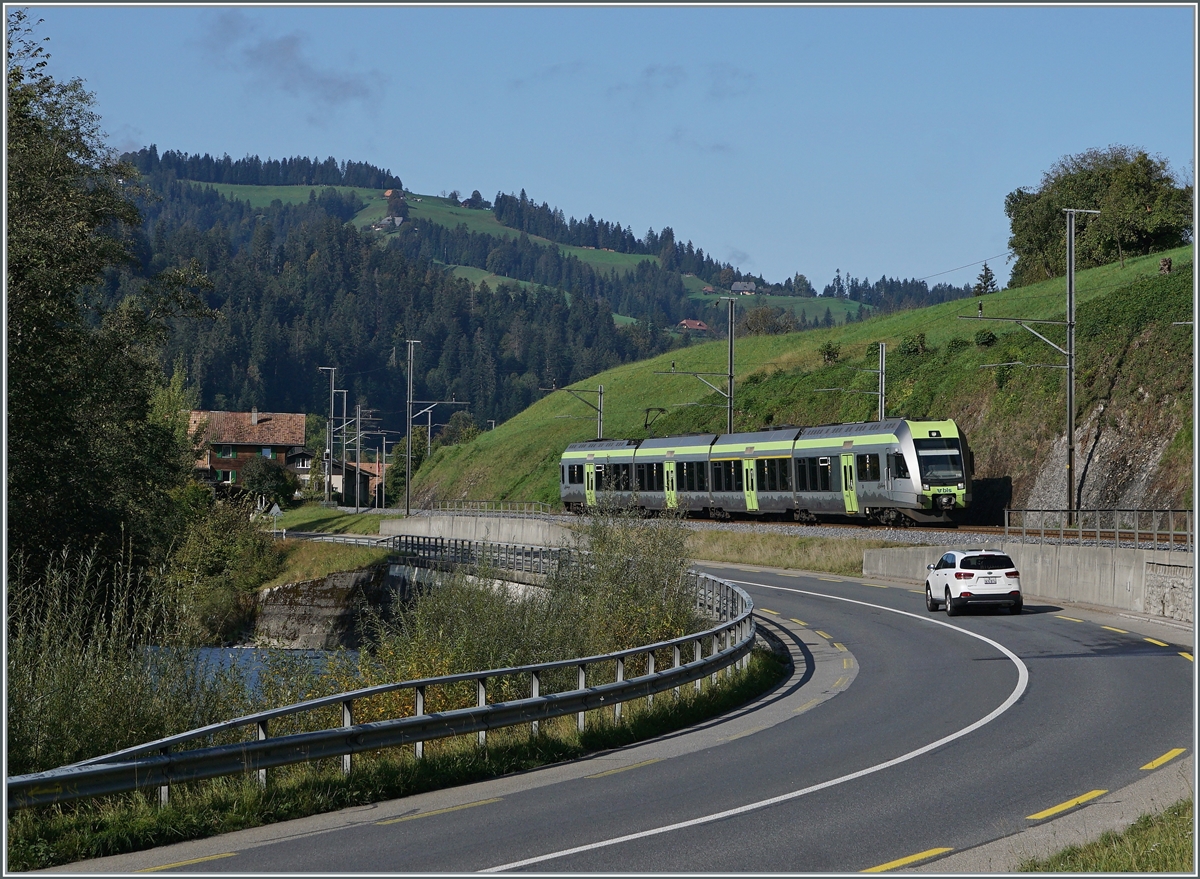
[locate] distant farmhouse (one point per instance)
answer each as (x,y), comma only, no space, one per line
(696,326)
(743,288)
(225,441)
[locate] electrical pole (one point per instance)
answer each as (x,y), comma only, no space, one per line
(408,431)
(729,396)
(332,370)
(882,382)
(598,405)
(1069,353)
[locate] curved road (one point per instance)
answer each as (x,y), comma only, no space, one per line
(902,738)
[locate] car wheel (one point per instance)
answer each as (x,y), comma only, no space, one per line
(951,610)
(930,604)
(1016,608)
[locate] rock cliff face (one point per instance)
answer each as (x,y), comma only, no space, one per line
(323,614)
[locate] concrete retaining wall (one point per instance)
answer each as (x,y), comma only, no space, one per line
(496,529)
(1139,580)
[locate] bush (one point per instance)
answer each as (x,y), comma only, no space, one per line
(985,338)
(830,352)
(913,345)
(955,345)
(217,569)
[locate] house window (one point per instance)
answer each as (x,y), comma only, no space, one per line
(303,463)
(225,452)
(266,452)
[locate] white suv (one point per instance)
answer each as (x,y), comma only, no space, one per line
(970,577)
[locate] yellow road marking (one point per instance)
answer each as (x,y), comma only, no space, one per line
(1156,641)
(747,732)
(1069,804)
(772,612)
(187,863)
(841,647)
(630,766)
(911,859)
(1072,619)
(847,662)
(1115,629)
(918,591)
(440,811)
(840,682)
(1186,656)
(829,579)
(823,634)
(807,705)
(801,622)
(876,585)
(1165,758)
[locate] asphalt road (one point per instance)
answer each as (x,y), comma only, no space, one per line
(904,738)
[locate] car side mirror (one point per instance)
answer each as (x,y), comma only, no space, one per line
(930,567)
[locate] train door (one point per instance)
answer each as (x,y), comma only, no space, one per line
(849,490)
(669,484)
(751,484)
(589,483)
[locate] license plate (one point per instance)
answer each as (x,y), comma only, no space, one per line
(989,581)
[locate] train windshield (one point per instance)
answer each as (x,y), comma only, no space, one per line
(940,460)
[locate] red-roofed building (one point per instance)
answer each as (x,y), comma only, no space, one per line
(225,441)
(696,326)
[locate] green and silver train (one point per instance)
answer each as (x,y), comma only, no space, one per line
(892,472)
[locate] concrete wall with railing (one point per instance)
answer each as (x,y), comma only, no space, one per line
(492,529)
(1155,582)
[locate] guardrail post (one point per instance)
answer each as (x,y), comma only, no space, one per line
(347,722)
(535,690)
(725,646)
(164,791)
(418,710)
(697,655)
(262,735)
(714,653)
(620,677)
(676,655)
(582,686)
(650,670)
(482,687)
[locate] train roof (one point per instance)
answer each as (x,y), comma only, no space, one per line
(603,445)
(683,439)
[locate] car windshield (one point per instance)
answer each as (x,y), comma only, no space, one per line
(939,460)
(985,562)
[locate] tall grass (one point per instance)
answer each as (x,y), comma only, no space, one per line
(1157,843)
(99,660)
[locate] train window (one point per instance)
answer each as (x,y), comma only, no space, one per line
(626,477)
(701,483)
(738,475)
(658,477)
(801,474)
(901,470)
(562,474)
(785,474)
(824,477)
(762,472)
(868,468)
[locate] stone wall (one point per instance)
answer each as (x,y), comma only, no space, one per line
(1170,591)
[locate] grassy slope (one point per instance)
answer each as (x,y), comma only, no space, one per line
(814,309)
(518,460)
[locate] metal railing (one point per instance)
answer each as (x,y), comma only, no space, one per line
(516,557)
(1172,530)
(513,509)
(159,764)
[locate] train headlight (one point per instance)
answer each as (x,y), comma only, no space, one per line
(924,487)
(961,486)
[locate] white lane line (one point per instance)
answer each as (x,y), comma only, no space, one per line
(1018,691)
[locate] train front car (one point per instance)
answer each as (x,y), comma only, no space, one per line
(595,471)
(938,465)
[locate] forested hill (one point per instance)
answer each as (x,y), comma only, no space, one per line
(297,286)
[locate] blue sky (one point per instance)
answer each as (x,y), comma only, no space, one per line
(874,140)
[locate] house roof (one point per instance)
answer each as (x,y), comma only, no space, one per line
(272,429)
(689,324)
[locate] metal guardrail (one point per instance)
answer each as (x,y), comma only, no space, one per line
(1162,529)
(513,509)
(157,764)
